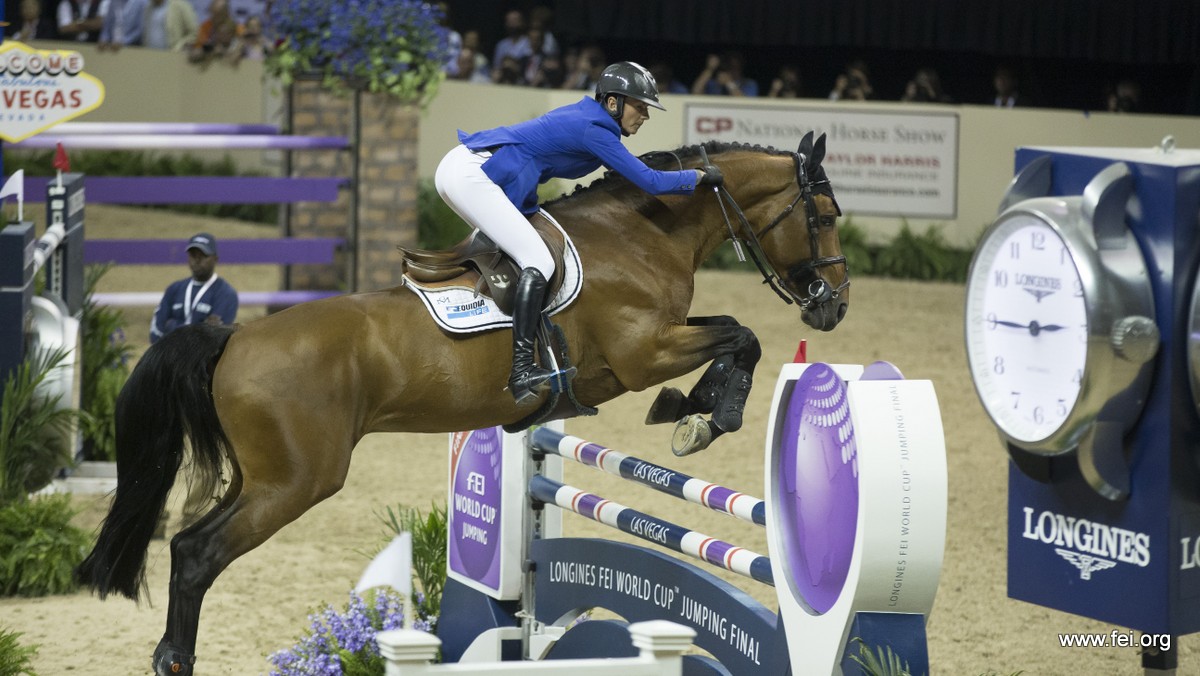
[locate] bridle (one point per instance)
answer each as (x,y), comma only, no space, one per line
(819,291)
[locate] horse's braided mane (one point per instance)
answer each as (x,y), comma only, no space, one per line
(666,160)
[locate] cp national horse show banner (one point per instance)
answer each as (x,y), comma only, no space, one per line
(885,163)
(41,88)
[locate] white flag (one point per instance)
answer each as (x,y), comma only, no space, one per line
(392,567)
(15,185)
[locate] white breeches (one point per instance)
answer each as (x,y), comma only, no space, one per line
(481,203)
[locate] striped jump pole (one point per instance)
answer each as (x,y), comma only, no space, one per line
(653,529)
(663,479)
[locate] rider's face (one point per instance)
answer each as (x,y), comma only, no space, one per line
(635,113)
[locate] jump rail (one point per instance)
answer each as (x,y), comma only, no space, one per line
(182,142)
(200,189)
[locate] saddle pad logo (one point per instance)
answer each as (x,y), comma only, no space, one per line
(458,309)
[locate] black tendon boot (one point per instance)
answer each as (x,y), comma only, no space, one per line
(527,377)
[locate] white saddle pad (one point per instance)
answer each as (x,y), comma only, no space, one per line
(458,309)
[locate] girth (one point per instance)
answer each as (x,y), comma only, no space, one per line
(476,262)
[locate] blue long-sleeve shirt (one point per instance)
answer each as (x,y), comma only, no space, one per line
(221,299)
(567,142)
(123,22)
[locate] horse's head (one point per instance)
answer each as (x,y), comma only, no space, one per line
(793,216)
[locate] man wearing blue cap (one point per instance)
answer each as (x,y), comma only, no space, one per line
(204,297)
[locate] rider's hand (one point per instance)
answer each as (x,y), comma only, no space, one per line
(710,175)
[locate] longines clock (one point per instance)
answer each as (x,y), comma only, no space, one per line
(1060,324)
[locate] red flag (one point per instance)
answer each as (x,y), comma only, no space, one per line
(801,353)
(61,162)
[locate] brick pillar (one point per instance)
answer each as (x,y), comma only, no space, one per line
(386,191)
(387,208)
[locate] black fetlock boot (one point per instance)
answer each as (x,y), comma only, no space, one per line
(527,377)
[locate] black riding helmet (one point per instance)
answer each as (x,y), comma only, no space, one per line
(627,78)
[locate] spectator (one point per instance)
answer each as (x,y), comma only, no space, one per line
(543,17)
(472,41)
(786,84)
(216,34)
(584,68)
(509,72)
(122,24)
(664,75)
(723,76)
(925,87)
(1125,97)
(202,298)
(853,84)
(454,41)
(169,24)
(536,38)
(1005,84)
(468,69)
(81,20)
(514,45)
(251,43)
(550,74)
(32,25)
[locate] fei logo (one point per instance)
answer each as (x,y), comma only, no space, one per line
(1090,546)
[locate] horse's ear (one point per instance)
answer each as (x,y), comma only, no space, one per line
(818,152)
(806,145)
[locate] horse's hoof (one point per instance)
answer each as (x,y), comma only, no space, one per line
(171,661)
(692,434)
(667,408)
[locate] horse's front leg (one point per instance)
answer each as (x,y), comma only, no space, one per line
(671,406)
(733,350)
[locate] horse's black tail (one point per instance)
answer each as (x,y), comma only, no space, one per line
(167,396)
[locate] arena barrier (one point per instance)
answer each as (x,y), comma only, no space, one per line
(858,558)
(32,324)
(148,190)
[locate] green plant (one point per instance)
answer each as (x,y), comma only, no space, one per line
(883,662)
(922,256)
(15,659)
(429,552)
(392,47)
(438,227)
(105,369)
(32,429)
(39,548)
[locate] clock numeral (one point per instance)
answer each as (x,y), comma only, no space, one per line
(1037,240)
(1000,279)
(1016,399)
(1061,408)
(1064,256)
(991,321)
(1077,285)
(998,366)
(1014,250)
(1039,416)
(1078,377)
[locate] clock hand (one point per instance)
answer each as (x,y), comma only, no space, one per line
(1014,325)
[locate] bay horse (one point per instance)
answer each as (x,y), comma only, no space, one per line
(285,398)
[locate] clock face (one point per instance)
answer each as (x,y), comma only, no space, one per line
(1026,327)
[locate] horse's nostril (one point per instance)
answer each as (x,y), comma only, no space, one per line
(841,312)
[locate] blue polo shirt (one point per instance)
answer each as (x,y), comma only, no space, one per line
(221,299)
(567,142)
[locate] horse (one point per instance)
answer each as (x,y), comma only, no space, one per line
(284,399)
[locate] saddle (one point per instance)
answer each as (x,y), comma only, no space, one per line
(476,262)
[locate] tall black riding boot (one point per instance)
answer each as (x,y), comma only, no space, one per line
(526,376)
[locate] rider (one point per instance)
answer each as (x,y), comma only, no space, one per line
(491,180)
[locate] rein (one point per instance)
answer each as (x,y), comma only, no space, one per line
(819,291)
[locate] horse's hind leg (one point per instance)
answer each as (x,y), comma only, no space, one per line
(257,504)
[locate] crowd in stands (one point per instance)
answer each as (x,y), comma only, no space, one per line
(528,54)
(203,29)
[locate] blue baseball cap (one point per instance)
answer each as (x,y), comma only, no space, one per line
(206,243)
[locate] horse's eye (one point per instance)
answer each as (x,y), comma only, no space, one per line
(828,221)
